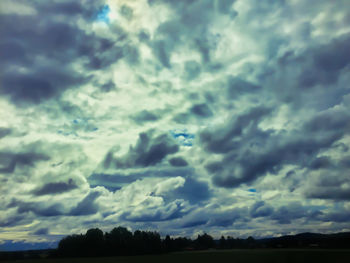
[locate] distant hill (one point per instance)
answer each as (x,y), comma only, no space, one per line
(308,240)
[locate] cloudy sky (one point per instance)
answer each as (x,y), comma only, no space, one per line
(230,117)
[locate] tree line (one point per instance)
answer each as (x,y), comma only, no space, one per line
(121,241)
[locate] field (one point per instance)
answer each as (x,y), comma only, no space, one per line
(215,256)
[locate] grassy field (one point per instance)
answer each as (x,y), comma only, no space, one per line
(215,256)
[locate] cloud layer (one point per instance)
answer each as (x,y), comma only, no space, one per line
(230,117)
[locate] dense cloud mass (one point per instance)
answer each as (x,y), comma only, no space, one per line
(230,117)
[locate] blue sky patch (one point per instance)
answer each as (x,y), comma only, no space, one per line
(103,14)
(183,137)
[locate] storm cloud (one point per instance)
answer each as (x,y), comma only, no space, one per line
(55,188)
(148,151)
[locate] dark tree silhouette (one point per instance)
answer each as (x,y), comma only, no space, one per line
(146,242)
(168,243)
(222,243)
(94,242)
(250,242)
(72,245)
(204,241)
(120,241)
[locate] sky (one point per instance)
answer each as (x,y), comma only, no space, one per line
(229,117)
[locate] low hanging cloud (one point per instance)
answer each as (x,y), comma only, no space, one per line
(250,152)
(41,231)
(178,161)
(9,161)
(148,151)
(87,206)
(55,188)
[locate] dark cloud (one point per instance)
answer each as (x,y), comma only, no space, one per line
(55,188)
(345,162)
(182,118)
(68,8)
(4,132)
(330,192)
(145,116)
(71,8)
(9,161)
(53,210)
(38,86)
(295,210)
(197,111)
(204,48)
(144,35)
(330,184)
(192,69)
(228,217)
(226,139)
(112,181)
(131,54)
(161,50)
(320,163)
(41,231)
(189,28)
(213,216)
(148,151)
(12,221)
(333,57)
(108,86)
(260,209)
(224,6)
(38,208)
(250,152)
(87,206)
(329,121)
(341,146)
(11,51)
(314,73)
(237,86)
(248,167)
(201,110)
(118,180)
(339,217)
(193,190)
(103,52)
(167,212)
(194,223)
(126,12)
(26,78)
(178,162)
(104,59)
